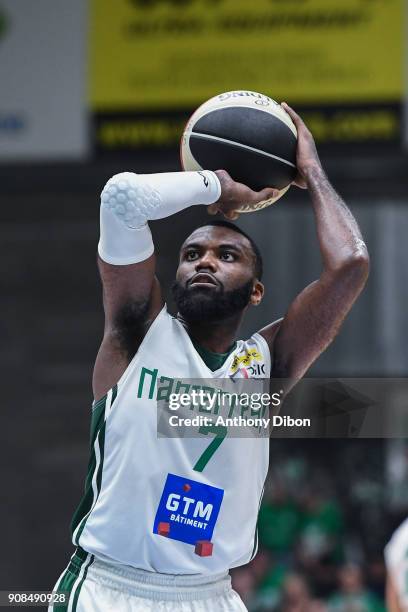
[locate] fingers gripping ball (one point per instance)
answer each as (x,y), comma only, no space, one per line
(247,134)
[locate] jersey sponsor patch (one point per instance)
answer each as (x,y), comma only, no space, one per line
(188,510)
(248,364)
(245,359)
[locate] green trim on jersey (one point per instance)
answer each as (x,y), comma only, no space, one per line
(212,360)
(93,480)
(256,541)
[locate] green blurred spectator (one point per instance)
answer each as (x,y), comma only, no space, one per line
(352,595)
(279,521)
(320,544)
(322,528)
(297,597)
(269,590)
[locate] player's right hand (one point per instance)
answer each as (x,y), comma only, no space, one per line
(234,195)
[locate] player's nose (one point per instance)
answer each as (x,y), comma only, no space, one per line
(206,262)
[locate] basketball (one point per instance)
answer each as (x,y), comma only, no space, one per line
(247,134)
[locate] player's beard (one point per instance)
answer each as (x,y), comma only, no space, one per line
(200,305)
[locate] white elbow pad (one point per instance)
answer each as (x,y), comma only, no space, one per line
(129,201)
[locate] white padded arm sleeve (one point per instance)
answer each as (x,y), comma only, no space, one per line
(129,201)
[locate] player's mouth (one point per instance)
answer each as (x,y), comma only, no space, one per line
(203,280)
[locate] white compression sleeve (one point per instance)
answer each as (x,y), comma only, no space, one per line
(129,201)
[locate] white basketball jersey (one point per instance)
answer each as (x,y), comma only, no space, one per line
(171,505)
(396,558)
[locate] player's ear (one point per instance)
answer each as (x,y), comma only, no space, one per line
(257,293)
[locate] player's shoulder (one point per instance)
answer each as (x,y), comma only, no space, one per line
(256,340)
(269,331)
(397,547)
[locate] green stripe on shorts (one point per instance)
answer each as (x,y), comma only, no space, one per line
(79,586)
(69,578)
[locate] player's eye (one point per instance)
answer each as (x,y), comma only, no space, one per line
(227,256)
(191,255)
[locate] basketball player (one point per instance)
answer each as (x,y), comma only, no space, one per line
(163,520)
(396,560)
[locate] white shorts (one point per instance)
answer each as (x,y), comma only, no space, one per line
(91,585)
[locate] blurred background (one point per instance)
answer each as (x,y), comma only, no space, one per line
(89,89)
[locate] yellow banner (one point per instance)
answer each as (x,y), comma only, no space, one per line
(170,54)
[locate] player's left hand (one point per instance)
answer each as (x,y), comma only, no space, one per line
(306,152)
(234,195)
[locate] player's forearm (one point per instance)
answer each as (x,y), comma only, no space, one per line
(340,240)
(130,200)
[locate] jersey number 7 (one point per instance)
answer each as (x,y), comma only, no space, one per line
(220,432)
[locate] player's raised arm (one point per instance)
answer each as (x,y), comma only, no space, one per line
(315,316)
(131,292)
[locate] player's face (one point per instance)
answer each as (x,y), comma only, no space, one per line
(215,278)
